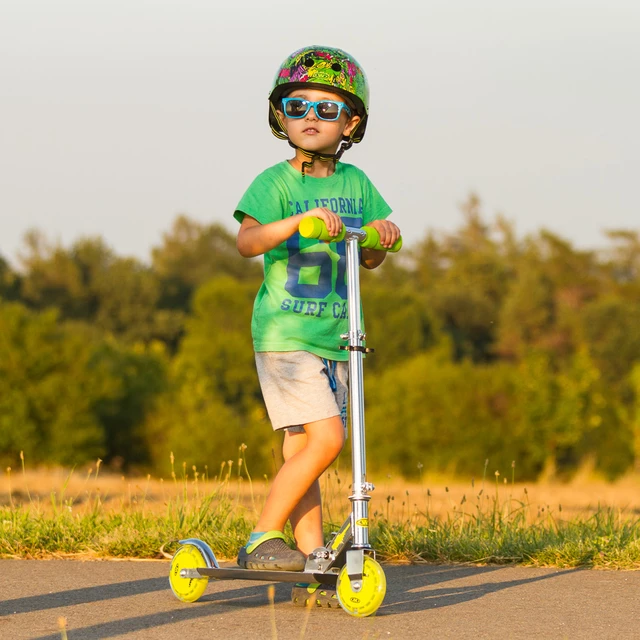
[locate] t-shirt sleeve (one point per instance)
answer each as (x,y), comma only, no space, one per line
(376,208)
(264,200)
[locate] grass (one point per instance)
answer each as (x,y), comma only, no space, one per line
(497,522)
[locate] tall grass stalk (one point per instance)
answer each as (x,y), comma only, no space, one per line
(10,487)
(62,625)
(24,472)
(305,622)
(271,593)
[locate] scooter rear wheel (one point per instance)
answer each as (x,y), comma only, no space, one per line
(368,600)
(187,589)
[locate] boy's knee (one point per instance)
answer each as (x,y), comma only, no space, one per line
(335,441)
(328,440)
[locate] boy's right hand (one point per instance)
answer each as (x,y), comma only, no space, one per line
(332,220)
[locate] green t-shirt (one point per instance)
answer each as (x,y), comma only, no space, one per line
(302,303)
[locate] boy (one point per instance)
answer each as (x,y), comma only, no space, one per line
(319,104)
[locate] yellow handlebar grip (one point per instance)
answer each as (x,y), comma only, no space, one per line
(315,228)
(312,228)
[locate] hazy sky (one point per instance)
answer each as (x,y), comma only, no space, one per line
(117,115)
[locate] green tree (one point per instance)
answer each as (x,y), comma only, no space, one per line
(192,422)
(622,262)
(139,376)
(635,417)
(9,282)
(610,330)
(448,417)
(464,279)
(126,296)
(214,403)
(48,388)
(563,408)
(551,285)
(217,343)
(89,282)
(526,317)
(191,254)
(61,278)
(397,322)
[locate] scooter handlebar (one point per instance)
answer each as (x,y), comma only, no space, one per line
(315,228)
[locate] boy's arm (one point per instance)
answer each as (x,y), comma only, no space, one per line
(389,234)
(255,238)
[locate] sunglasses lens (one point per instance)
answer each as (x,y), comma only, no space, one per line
(328,110)
(296,108)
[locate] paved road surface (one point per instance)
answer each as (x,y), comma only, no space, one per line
(133,600)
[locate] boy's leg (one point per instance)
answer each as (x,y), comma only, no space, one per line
(306,521)
(306,518)
(295,481)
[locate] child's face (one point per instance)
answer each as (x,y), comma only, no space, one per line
(313,134)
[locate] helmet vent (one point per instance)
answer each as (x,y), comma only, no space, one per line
(336,67)
(308,62)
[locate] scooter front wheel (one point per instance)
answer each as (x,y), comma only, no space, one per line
(368,599)
(187,589)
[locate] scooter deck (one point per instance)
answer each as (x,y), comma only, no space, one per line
(229,573)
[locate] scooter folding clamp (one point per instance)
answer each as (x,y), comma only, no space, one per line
(351,348)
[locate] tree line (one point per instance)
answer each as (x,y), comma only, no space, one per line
(488,346)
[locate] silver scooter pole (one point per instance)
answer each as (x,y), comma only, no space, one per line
(353,237)
(355,345)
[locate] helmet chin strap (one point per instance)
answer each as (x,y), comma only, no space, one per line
(323,157)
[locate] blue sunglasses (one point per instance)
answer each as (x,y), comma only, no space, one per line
(325,109)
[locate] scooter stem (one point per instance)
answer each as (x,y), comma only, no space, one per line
(360,497)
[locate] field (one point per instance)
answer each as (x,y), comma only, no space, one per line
(394,498)
(493,519)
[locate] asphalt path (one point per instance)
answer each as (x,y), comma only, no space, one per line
(129,599)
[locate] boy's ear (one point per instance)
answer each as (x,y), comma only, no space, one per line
(283,119)
(352,125)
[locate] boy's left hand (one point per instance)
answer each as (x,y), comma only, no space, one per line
(389,232)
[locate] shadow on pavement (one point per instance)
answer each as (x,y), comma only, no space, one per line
(410,590)
(140,623)
(82,596)
(419,592)
(212,604)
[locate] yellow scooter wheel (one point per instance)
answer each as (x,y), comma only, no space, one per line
(368,600)
(187,589)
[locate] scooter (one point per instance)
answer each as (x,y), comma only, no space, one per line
(348,561)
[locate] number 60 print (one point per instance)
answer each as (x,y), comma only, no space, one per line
(321,262)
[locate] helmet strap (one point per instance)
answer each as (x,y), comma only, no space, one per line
(323,157)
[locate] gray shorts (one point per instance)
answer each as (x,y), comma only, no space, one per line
(299,387)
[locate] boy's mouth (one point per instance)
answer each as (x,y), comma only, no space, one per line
(310,130)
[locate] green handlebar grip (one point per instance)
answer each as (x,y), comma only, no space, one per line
(315,228)
(372,241)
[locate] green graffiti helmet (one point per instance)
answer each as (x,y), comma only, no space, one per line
(320,67)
